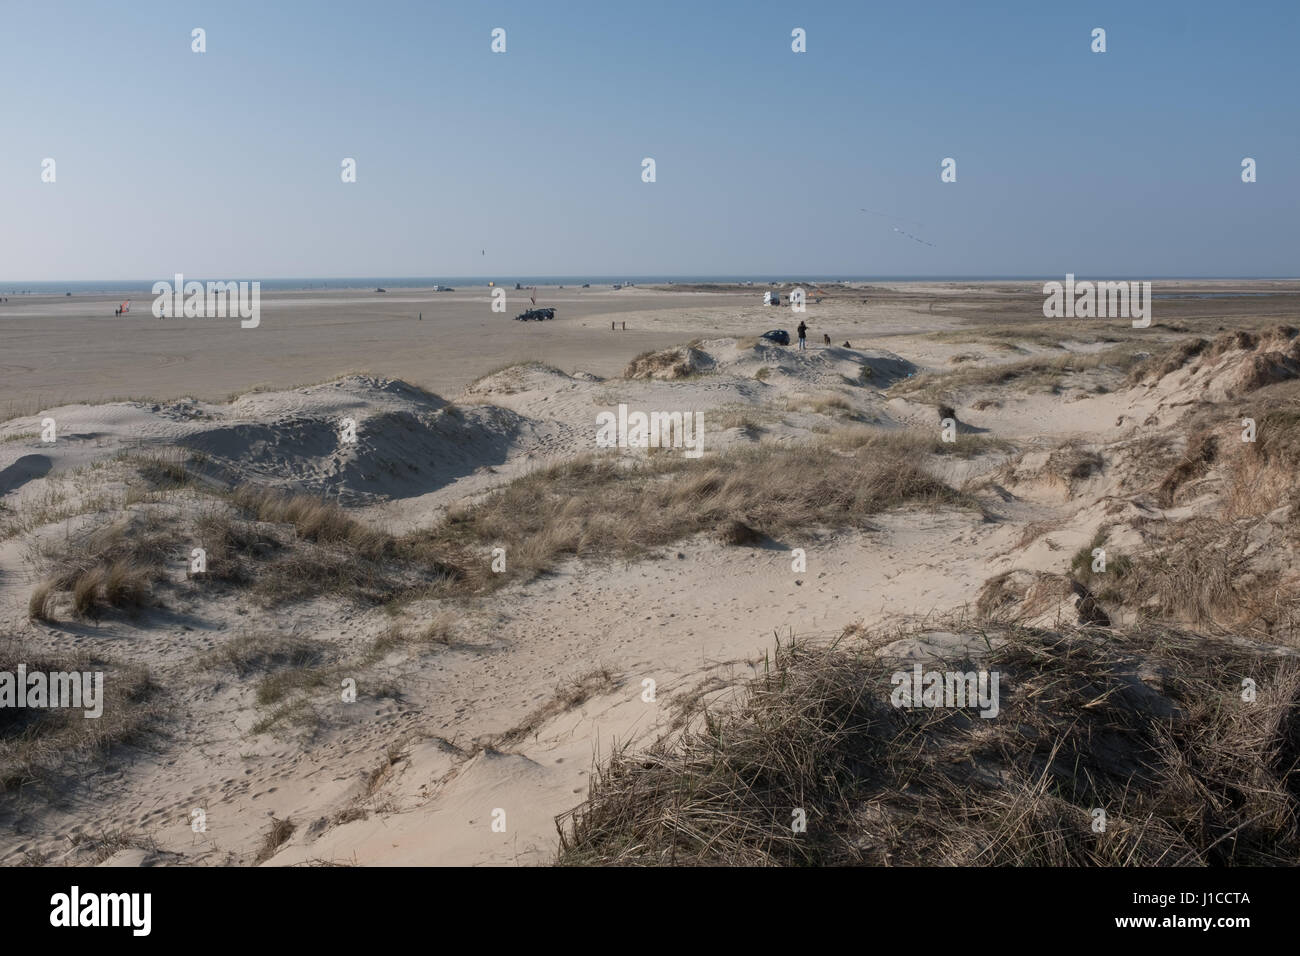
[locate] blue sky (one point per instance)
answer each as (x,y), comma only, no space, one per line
(227,163)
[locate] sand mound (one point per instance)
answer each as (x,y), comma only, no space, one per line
(1259,370)
(793,369)
(525,377)
(395,454)
(360,439)
(670,364)
(1231,365)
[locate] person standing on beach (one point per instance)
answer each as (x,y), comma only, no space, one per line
(803,336)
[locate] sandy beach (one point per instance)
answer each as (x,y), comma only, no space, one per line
(61,349)
(486,695)
(75,349)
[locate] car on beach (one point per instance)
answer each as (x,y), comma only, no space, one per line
(779,336)
(535,315)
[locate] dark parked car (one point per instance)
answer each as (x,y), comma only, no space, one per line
(535,315)
(779,336)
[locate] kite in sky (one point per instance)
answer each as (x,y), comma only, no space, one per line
(910,236)
(910,222)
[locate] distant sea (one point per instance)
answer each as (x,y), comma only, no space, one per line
(83,287)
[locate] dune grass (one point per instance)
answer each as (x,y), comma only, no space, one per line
(284,547)
(674,363)
(614,506)
(41,745)
(1185,772)
(1049,373)
(1050,333)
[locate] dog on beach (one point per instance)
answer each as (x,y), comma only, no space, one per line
(826,338)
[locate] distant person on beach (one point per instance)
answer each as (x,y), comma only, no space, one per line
(624,326)
(803,335)
(612,327)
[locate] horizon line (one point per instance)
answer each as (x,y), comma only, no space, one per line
(659,277)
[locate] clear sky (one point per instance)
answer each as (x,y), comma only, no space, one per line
(227,163)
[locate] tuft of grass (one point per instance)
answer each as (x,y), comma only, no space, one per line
(279,833)
(85,590)
(1118,566)
(1148,725)
(674,363)
(829,404)
(1072,462)
(736,532)
(314,519)
(39,604)
(440,630)
(260,652)
(1155,367)
(41,745)
(113,565)
(106,843)
(125,584)
(1202,450)
(275,686)
(298,712)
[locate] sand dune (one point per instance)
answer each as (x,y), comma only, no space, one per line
(482,701)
